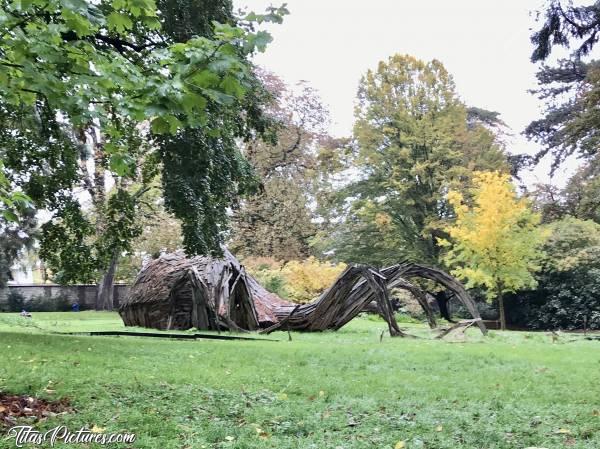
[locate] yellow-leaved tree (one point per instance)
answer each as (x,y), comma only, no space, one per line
(495,240)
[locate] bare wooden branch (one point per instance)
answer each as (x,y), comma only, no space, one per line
(462,325)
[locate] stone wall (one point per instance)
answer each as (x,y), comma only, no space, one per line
(84,294)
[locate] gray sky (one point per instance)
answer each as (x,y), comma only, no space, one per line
(484,44)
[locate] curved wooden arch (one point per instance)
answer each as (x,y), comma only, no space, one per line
(420,296)
(410,270)
(359,285)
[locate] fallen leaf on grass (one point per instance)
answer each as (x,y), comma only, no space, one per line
(400,445)
(96,429)
(229,438)
(563,431)
(13,407)
(262,434)
(439,428)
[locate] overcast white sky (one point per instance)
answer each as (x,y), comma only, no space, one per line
(484,44)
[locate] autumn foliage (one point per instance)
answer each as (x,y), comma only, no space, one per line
(495,239)
(297,280)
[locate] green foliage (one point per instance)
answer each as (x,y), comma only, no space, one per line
(582,192)
(15,301)
(275,222)
(570,124)
(41,303)
(15,238)
(36,163)
(572,243)
(568,293)
(562,25)
(267,272)
(580,198)
(48,46)
(160,232)
(64,245)
(81,80)
(202,176)
(414,139)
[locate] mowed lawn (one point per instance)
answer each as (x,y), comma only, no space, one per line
(341,389)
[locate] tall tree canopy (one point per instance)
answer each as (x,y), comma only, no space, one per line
(277,221)
(571,89)
(580,198)
(414,138)
(79,84)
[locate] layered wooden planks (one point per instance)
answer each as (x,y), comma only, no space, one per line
(176,292)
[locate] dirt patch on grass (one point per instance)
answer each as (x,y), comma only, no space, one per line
(15,408)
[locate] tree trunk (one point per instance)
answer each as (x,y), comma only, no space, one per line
(442,300)
(104,300)
(502,311)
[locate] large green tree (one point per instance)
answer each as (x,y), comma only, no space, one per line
(89,77)
(413,139)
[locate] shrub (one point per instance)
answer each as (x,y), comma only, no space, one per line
(307,279)
(298,281)
(568,290)
(41,303)
(14,301)
(407,318)
(267,271)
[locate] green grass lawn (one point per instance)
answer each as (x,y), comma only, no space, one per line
(331,390)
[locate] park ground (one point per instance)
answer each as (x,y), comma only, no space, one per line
(344,389)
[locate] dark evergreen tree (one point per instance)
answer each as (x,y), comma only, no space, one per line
(571,89)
